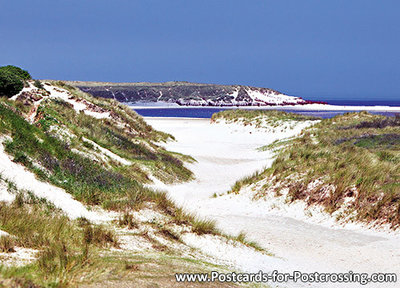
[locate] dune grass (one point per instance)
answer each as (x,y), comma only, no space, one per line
(125,134)
(252,116)
(256,176)
(65,247)
(358,154)
(70,250)
(90,182)
(242,238)
(7,244)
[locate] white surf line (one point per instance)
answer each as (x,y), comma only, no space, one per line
(226,153)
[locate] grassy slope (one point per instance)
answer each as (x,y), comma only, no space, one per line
(259,118)
(79,253)
(93,182)
(65,247)
(72,251)
(356,154)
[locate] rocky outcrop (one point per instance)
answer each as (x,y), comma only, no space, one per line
(190,94)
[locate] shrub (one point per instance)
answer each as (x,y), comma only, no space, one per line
(10,84)
(20,73)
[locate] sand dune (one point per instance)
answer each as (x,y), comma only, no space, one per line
(226,153)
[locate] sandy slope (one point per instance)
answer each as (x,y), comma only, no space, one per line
(226,153)
(26,180)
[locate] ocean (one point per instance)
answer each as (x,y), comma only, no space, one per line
(202,112)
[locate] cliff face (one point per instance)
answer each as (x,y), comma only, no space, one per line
(193,94)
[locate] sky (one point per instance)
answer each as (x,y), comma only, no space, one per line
(315,49)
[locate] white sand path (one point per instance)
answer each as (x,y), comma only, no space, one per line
(226,153)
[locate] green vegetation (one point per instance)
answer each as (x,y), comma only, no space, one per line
(202,226)
(65,247)
(242,238)
(248,117)
(354,159)
(179,216)
(113,186)
(12,80)
(10,84)
(87,181)
(66,148)
(20,73)
(74,253)
(257,176)
(133,141)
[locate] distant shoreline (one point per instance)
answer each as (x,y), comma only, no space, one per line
(307,107)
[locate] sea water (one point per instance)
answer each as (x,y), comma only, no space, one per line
(201,112)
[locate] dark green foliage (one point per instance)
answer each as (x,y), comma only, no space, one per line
(10,84)
(20,73)
(11,80)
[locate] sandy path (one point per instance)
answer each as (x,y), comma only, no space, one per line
(226,153)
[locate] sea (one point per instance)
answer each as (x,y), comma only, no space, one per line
(152,110)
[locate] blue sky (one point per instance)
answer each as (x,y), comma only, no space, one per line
(311,48)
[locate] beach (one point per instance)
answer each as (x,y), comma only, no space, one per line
(226,153)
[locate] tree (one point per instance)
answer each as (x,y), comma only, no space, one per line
(10,84)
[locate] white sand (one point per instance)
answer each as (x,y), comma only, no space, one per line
(26,180)
(107,153)
(78,106)
(5,195)
(226,153)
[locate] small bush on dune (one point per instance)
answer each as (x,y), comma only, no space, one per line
(19,72)
(12,80)
(10,84)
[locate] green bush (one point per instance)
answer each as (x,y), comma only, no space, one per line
(20,73)
(10,84)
